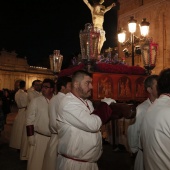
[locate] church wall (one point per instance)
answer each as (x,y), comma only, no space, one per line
(14,69)
(9,78)
(126,6)
(157,13)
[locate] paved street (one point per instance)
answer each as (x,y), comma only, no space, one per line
(9,158)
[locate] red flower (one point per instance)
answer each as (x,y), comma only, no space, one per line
(137,70)
(70,71)
(106,68)
(119,69)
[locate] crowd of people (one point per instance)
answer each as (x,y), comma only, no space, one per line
(149,134)
(63,131)
(45,138)
(6,102)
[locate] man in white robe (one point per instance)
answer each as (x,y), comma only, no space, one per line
(32,92)
(18,125)
(155,128)
(50,158)
(37,121)
(133,131)
(78,124)
(35,91)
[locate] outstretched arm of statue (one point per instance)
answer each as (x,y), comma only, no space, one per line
(88,4)
(110,7)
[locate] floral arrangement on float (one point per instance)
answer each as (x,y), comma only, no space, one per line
(69,71)
(104,65)
(119,69)
(90,60)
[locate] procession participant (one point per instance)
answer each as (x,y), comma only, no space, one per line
(133,131)
(33,92)
(78,124)
(37,124)
(18,125)
(50,158)
(155,128)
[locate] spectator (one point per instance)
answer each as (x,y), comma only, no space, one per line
(1,117)
(6,103)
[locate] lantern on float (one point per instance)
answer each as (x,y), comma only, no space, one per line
(89,39)
(149,55)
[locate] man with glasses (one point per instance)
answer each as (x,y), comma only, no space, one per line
(37,124)
(63,87)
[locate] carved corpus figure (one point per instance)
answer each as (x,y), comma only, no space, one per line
(97,11)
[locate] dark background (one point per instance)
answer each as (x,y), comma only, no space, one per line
(34,28)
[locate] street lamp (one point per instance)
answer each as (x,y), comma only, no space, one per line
(144,29)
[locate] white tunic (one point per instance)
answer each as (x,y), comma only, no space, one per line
(134,129)
(24,141)
(79,135)
(50,159)
(155,135)
(133,133)
(18,125)
(37,115)
(33,94)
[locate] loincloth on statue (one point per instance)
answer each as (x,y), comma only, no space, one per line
(102,33)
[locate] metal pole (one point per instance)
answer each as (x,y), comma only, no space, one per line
(133,53)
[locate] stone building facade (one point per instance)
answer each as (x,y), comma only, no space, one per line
(14,69)
(157,13)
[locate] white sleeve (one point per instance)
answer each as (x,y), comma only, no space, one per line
(31,113)
(53,116)
(78,115)
(133,131)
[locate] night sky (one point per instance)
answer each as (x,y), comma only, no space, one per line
(34,28)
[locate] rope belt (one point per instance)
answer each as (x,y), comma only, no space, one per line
(54,133)
(74,159)
(141,149)
(22,108)
(42,134)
